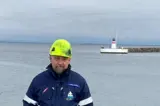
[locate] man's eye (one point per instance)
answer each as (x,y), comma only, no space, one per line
(56,58)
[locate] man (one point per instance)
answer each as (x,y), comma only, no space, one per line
(58,85)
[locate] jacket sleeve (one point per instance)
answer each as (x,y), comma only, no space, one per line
(85,96)
(30,98)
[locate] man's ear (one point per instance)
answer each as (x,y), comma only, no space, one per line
(69,59)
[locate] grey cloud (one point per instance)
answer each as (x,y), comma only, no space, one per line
(131,19)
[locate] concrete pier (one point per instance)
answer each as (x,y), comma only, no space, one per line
(143,49)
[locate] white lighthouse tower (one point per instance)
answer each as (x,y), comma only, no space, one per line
(113,44)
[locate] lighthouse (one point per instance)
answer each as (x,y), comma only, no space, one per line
(113,49)
(113,45)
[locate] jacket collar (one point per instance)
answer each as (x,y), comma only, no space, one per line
(57,76)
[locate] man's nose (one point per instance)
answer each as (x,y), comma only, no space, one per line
(60,61)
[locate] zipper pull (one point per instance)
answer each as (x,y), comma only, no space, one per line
(61,88)
(53,88)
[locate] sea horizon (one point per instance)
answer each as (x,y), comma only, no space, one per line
(78,43)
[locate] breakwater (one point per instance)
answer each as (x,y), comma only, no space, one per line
(143,49)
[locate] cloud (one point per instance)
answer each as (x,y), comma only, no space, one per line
(103,18)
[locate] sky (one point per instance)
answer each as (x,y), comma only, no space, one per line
(80,20)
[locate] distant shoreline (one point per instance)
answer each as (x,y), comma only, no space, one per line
(131,47)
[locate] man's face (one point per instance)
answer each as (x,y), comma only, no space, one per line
(59,63)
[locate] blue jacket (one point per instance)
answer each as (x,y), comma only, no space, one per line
(50,89)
